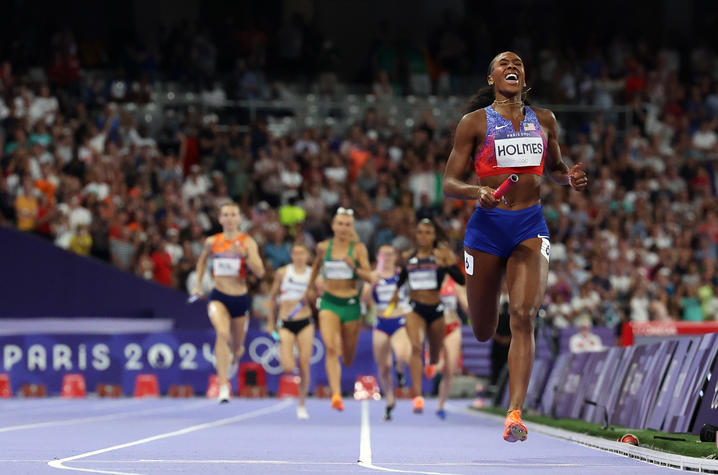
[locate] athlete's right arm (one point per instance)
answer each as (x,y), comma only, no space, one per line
(321,250)
(202,265)
(467,138)
(273,294)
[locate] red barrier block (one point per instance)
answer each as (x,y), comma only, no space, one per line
(181,391)
(5,388)
(289,385)
(403,393)
(73,386)
(366,387)
(108,390)
(252,380)
(33,390)
(322,391)
(146,385)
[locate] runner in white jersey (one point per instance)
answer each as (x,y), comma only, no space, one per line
(295,323)
(389,332)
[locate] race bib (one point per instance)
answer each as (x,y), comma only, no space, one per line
(423,280)
(226,266)
(338,270)
(518,151)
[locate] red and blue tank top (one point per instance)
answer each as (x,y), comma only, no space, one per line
(506,150)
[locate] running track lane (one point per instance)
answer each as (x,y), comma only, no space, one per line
(131,436)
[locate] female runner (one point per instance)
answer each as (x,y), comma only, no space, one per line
(425,269)
(389,333)
(233,252)
(295,323)
(342,260)
(507,238)
(452,295)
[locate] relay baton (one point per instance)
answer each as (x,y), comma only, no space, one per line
(504,187)
(295,310)
(193,298)
(389,309)
(380,261)
(275,335)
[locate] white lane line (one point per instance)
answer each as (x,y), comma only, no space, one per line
(117,415)
(365,447)
(207,425)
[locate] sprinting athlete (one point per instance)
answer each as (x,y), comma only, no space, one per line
(389,333)
(424,269)
(452,295)
(233,252)
(507,238)
(295,322)
(343,260)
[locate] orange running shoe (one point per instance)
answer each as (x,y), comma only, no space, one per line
(337,402)
(418,405)
(514,429)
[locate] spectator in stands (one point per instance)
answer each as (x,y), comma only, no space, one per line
(584,340)
(26,206)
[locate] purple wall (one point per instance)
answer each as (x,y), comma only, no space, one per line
(38,279)
(708,409)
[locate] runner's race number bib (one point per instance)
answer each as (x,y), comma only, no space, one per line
(226,266)
(423,279)
(518,151)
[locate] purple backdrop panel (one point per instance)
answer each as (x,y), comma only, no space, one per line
(609,398)
(178,357)
(652,382)
(708,410)
(88,287)
(591,372)
(632,389)
(569,385)
(684,404)
(598,370)
(560,366)
(539,374)
(660,408)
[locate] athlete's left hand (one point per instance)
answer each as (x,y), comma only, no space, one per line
(577,178)
(350,262)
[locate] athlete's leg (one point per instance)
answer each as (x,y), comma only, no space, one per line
(483,289)
(416,329)
(436,333)
(219,316)
(401,346)
(239,333)
(526,274)
(452,350)
(286,350)
(305,343)
(330,327)
(382,355)
(350,338)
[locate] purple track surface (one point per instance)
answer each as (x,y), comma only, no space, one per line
(148,436)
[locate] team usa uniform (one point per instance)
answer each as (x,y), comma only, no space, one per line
(382,293)
(498,231)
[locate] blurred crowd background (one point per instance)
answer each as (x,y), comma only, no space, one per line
(119,142)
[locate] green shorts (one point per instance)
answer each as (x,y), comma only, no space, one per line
(347,308)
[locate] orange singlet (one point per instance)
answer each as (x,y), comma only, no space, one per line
(226,262)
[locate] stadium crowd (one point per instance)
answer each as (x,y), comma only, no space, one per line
(641,244)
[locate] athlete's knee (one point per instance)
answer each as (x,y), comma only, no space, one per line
(288,366)
(522,318)
(416,349)
(483,333)
(348,357)
(238,350)
(224,337)
(332,350)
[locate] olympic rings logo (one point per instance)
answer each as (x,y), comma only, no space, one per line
(265,351)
